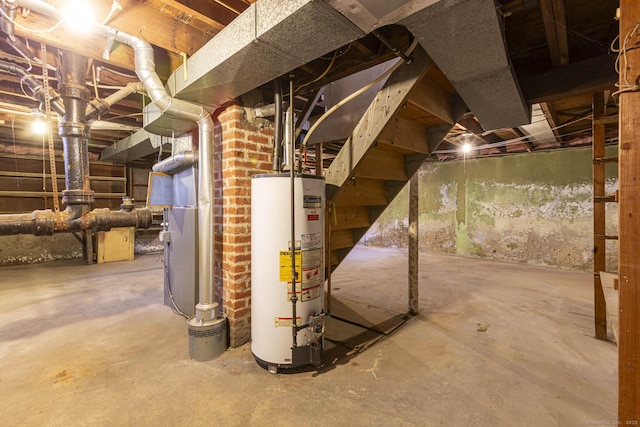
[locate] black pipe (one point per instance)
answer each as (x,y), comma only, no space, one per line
(277,125)
(34,85)
(75,133)
(394,49)
(47,222)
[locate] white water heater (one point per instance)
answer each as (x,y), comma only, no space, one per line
(272,327)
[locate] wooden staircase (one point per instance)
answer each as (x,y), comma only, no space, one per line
(407,119)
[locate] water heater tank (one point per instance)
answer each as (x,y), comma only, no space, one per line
(271,262)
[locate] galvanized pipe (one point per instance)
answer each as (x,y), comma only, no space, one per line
(74,132)
(34,85)
(100,106)
(277,124)
(175,163)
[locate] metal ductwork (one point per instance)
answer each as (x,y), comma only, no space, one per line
(176,162)
(267,40)
(465,39)
(207,309)
(140,144)
(270,39)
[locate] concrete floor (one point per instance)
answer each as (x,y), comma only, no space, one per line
(496,345)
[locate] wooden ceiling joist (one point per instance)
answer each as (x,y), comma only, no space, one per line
(554,14)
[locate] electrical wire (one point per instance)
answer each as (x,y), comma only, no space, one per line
(624,85)
(324,73)
(519,139)
(356,94)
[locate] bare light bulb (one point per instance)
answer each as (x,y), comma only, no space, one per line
(466,148)
(79,16)
(38,126)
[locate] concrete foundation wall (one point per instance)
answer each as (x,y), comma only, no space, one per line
(533,208)
(28,249)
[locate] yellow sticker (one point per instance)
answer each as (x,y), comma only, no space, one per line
(285,266)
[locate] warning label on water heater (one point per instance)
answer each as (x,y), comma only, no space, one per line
(309,275)
(285,265)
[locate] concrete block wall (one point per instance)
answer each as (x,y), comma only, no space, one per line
(243,149)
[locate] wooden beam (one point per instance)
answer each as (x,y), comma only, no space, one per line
(554,15)
(599,220)
(579,78)
(413,248)
(159,29)
(431,99)
(629,226)
(470,123)
(137,19)
(212,9)
(551,115)
(384,106)
(161,5)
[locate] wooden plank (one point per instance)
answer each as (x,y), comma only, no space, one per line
(385,105)
(214,24)
(554,16)
(349,217)
(551,115)
(382,164)
(211,9)
(362,192)
(629,226)
(406,135)
(607,120)
(162,30)
(430,98)
(334,258)
(570,80)
(611,296)
(341,239)
(599,221)
(139,19)
(413,250)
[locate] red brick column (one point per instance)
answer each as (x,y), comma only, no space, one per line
(242,148)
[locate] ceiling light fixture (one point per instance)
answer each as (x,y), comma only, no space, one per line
(79,16)
(39,125)
(466,148)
